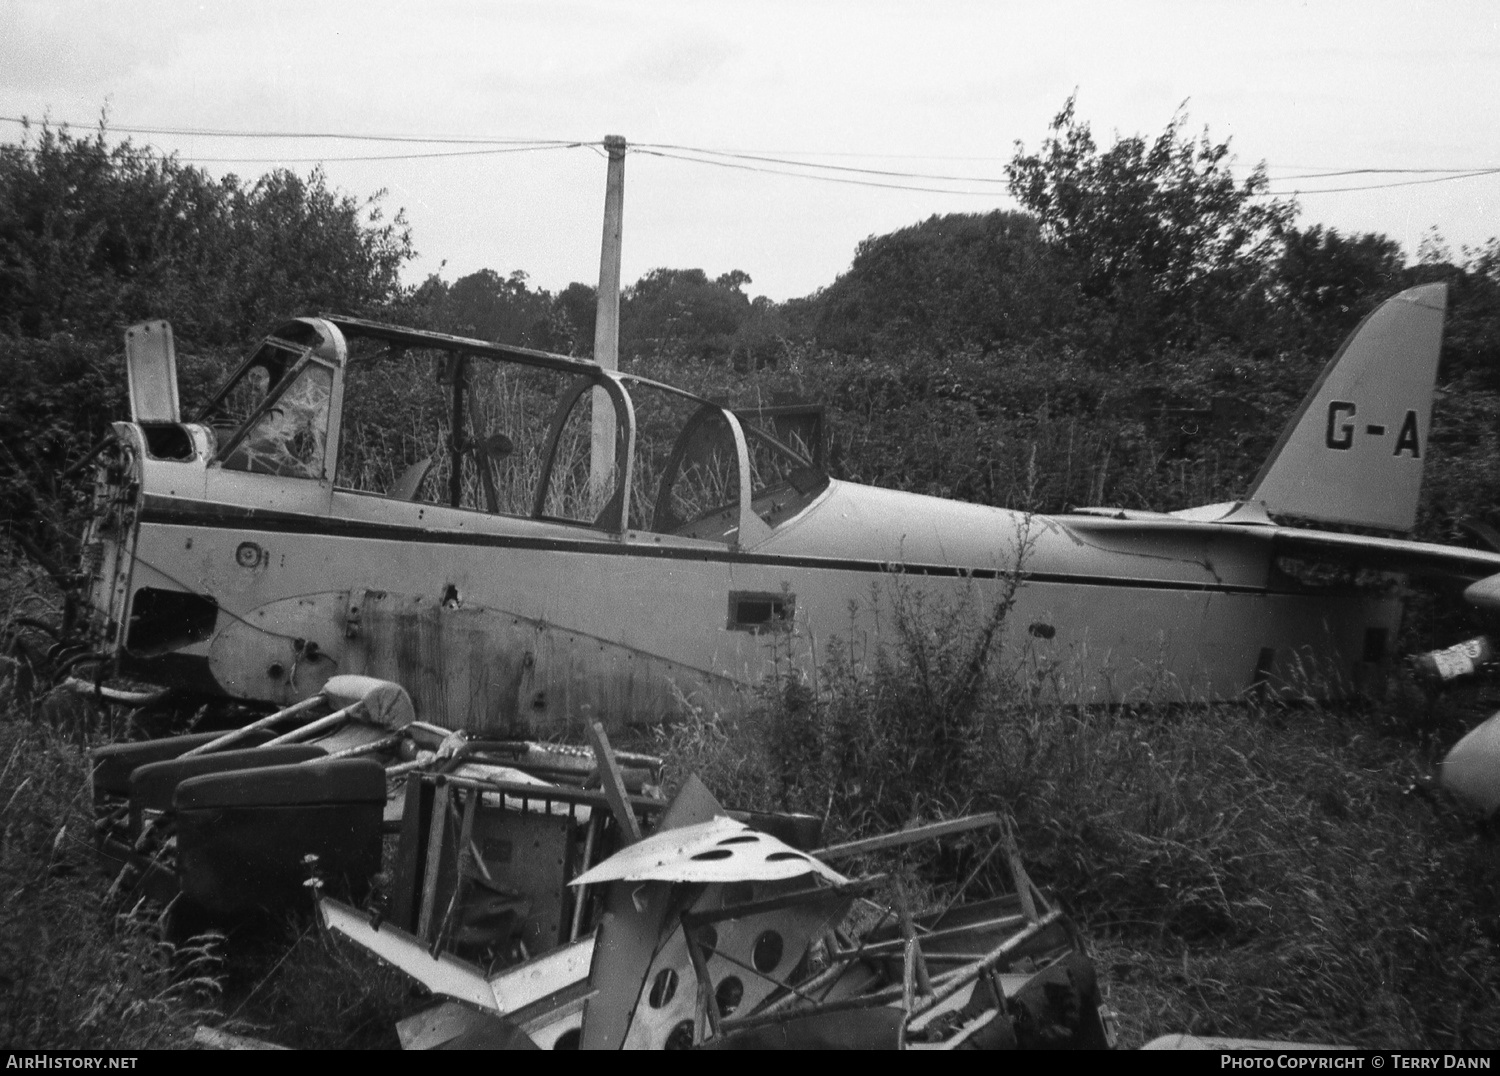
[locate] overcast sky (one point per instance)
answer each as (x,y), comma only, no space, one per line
(932,88)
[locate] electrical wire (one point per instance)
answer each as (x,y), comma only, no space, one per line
(512,145)
(828,167)
(738,159)
(221,132)
(872,156)
(1383,186)
(211,132)
(1447,174)
(824,179)
(865,155)
(156,154)
(1375,171)
(378,157)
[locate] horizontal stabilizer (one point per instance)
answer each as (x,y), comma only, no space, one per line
(1485,593)
(1472,769)
(1353,452)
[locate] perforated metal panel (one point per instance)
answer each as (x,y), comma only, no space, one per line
(772,943)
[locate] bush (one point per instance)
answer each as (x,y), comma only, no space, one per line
(879,740)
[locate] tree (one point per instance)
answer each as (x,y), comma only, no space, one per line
(94,236)
(574,313)
(962,279)
(1327,281)
(1163,242)
(295,246)
(681,311)
(1471,336)
(491,307)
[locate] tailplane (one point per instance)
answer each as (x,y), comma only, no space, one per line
(1354,450)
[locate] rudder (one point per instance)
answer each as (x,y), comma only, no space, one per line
(1354,450)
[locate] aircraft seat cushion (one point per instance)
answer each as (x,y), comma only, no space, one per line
(113,764)
(339,781)
(152,785)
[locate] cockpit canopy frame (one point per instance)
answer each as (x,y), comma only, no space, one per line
(281,412)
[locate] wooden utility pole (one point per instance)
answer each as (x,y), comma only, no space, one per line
(607,320)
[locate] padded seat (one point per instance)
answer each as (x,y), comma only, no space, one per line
(114,764)
(243,836)
(153,785)
(349,780)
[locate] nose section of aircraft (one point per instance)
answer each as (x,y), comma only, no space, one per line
(110,538)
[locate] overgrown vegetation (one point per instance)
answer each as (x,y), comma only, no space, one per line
(95,236)
(77,970)
(1134,336)
(1248,870)
(83,966)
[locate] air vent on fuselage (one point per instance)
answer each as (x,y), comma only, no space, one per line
(755,611)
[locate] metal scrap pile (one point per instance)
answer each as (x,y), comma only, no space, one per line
(552,904)
(713,931)
(223,823)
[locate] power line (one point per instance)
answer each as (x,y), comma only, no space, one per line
(820,178)
(523,144)
(155,153)
(828,167)
(377,157)
(1442,175)
(1384,186)
(935,190)
(212,132)
(796,169)
(1379,171)
(220,132)
(870,156)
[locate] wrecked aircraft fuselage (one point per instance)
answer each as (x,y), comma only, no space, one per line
(365,499)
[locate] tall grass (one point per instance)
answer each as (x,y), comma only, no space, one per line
(292,983)
(77,969)
(1243,870)
(82,967)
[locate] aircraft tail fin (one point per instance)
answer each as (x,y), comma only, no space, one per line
(1354,450)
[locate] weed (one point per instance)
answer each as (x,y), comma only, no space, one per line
(302,987)
(76,973)
(892,734)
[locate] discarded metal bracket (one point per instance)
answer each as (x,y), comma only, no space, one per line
(908,836)
(614,783)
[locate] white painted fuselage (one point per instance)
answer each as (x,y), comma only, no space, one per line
(501,623)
